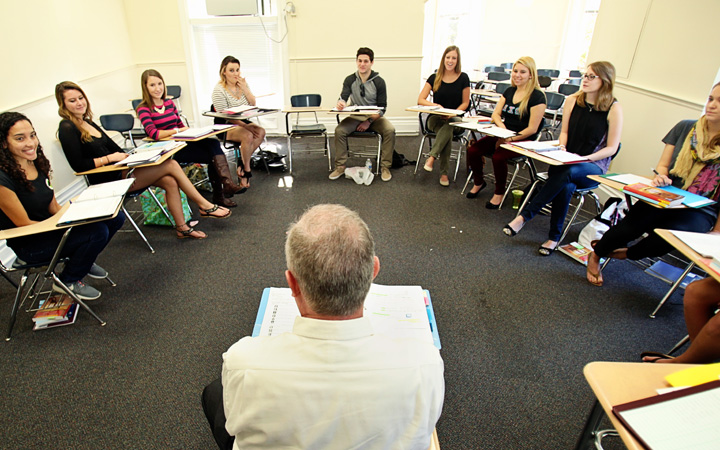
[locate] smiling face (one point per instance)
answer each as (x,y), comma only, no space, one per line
(231,73)
(591,82)
(712,108)
(75,103)
(156,89)
(363,64)
(520,75)
(22,142)
(450,61)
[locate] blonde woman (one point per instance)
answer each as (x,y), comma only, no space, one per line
(231,91)
(691,161)
(520,109)
(450,88)
(591,127)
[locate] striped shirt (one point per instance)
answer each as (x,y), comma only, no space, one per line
(222,99)
(154,121)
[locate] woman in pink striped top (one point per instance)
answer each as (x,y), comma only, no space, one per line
(161,120)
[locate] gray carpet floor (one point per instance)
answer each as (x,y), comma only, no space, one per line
(516,328)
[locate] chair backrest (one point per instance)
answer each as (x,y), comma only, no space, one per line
(507,66)
(489,69)
(500,88)
(544,81)
(567,89)
(174,91)
(554,100)
(135,103)
(498,76)
(553,73)
(575,74)
(478,84)
(305,100)
(117,122)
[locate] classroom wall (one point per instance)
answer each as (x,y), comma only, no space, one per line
(666,58)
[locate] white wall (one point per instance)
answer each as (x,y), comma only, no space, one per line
(666,56)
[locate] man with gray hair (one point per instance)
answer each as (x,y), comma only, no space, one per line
(331,383)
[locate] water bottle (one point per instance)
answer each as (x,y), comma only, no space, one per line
(368,165)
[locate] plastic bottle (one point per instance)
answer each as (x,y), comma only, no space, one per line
(368,165)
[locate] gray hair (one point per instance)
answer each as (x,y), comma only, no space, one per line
(331,253)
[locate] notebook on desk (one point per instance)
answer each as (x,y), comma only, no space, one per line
(396,311)
(97,202)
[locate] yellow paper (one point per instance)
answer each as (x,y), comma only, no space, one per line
(694,375)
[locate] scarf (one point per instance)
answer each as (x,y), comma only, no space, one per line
(695,154)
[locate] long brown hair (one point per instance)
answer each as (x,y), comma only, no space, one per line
(528,62)
(441,70)
(605,99)
(713,141)
(60,90)
(8,164)
(146,97)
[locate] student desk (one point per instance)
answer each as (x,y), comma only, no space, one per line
(114,167)
(689,253)
(615,383)
(430,111)
(249,114)
(531,154)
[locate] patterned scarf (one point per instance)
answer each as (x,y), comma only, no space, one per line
(695,154)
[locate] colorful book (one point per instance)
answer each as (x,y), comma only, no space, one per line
(654,194)
(54,308)
(577,251)
(69,319)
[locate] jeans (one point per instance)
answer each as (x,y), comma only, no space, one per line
(559,188)
(82,247)
(381,126)
(500,156)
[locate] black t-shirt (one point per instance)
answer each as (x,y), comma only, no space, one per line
(36,203)
(450,95)
(80,154)
(511,111)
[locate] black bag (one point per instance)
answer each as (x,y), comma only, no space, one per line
(399,160)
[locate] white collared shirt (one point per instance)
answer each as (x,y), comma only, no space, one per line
(332,385)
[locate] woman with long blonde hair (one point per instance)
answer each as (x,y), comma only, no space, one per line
(450,88)
(691,161)
(233,90)
(520,109)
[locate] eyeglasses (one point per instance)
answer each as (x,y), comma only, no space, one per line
(362,90)
(589,77)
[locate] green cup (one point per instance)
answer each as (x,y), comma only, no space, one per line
(517,198)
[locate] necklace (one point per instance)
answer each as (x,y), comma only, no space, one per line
(159,110)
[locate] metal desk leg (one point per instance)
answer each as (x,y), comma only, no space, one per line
(587,437)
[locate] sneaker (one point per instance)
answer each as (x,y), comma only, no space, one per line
(386,175)
(81,290)
(337,173)
(97,272)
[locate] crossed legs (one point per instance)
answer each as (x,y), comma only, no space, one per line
(250,136)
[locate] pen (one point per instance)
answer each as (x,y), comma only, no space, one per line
(655,171)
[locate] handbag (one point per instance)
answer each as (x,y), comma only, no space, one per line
(198,175)
(152,212)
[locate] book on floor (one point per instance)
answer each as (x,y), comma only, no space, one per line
(54,308)
(68,319)
(577,251)
(396,311)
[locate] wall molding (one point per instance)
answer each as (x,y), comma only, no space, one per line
(660,96)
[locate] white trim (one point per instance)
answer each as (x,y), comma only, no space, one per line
(660,96)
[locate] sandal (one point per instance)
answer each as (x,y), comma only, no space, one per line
(246,175)
(546,251)
(656,356)
(597,276)
(209,212)
(188,234)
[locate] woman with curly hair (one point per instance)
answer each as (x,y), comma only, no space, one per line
(691,161)
(27,197)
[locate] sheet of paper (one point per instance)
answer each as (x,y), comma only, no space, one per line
(538,146)
(628,178)
(685,422)
(484,128)
(708,245)
(239,109)
(193,132)
(141,158)
(280,312)
(90,209)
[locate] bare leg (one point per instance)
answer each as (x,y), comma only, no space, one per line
(174,203)
(593,274)
(147,176)
(250,137)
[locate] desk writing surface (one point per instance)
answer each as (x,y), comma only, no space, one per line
(301,109)
(615,383)
(48,224)
(414,109)
(356,112)
(485,93)
(691,254)
(246,115)
(531,154)
(194,139)
(114,168)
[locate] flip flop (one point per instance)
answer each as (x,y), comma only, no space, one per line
(598,278)
(657,355)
